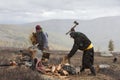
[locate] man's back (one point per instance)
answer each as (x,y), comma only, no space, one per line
(80,40)
(40,38)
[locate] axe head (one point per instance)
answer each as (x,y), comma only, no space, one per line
(75,22)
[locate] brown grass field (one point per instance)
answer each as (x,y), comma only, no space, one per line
(23,73)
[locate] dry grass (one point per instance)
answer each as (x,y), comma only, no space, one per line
(22,73)
(15,73)
(113,73)
(18,74)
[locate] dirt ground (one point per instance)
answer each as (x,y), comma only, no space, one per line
(112,73)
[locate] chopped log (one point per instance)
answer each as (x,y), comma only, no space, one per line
(59,67)
(53,69)
(57,74)
(48,70)
(65,73)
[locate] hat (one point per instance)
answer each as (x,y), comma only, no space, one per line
(38,27)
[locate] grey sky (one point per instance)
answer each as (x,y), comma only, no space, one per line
(21,11)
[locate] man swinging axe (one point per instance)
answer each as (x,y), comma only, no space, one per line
(83,43)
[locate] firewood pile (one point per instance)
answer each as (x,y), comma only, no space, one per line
(29,59)
(60,70)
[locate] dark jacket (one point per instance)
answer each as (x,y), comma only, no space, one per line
(40,38)
(81,42)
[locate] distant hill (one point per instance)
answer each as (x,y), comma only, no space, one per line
(14,36)
(99,30)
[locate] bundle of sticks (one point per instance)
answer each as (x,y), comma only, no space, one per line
(33,38)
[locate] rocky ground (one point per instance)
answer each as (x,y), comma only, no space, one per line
(22,73)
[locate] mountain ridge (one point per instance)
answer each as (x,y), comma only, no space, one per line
(99,30)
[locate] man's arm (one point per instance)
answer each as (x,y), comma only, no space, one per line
(73,50)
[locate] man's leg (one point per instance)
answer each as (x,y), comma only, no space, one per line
(92,69)
(83,64)
(89,56)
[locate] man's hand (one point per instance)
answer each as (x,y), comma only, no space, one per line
(65,57)
(65,60)
(72,29)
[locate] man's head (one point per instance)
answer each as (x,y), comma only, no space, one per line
(72,34)
(38,28)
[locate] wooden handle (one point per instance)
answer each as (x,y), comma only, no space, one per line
(71,28)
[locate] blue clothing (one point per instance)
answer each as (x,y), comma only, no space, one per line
(42,40)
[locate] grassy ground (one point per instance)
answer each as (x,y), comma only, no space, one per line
(22,73)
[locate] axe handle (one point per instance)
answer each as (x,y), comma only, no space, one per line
(71,28)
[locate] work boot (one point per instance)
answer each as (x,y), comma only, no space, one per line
(93,73)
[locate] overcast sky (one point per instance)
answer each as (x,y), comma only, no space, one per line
(22,11)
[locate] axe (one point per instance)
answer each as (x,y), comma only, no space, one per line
(75,24)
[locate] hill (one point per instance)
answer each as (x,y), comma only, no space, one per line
(99,30)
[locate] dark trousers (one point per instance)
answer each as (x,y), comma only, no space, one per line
(88,60)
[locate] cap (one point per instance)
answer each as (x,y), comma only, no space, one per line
(38,27)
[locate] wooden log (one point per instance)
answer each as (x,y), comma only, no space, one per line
(65,73)
(53,69)
(59,67)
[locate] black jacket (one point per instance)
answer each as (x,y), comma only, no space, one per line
(81,42)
